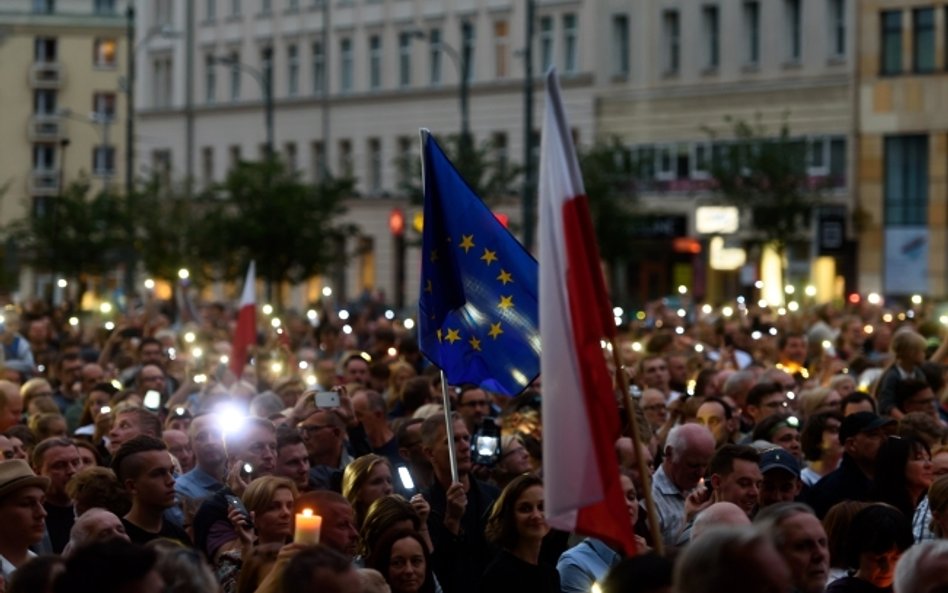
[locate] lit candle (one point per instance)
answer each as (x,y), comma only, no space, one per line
(307,528)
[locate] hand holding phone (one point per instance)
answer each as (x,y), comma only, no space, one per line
(235,503)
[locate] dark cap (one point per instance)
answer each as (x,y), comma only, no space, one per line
(779,458)
(861,422)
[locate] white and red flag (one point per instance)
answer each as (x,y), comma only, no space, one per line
(245,335)
(580,415)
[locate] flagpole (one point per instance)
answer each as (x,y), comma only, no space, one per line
(623,381)
(449,429)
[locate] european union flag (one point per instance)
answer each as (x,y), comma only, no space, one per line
(478,310)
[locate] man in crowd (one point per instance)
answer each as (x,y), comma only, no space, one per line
(731,559)
(715,414)
(781,477)
(292,460)
(801,541)
(180,446)
(412,454)
(458,509)
(716,515)
(22,515)
(653,373)
(130,423)
(473,405)
(861,435)
(792,347)
(921,569)
(688,451)
(338,529)
(736,476)
(355,369)
(324,434)
(11,405)
(764,400)
(857,401)
(58,460)
(145,469)
(320,568)
(369,407)
(68,376)
(654,407)
(95,525)
(210,461)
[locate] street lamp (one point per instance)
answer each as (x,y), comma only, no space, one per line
(462,63)
(265,80)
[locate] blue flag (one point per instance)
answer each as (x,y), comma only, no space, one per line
(478,308)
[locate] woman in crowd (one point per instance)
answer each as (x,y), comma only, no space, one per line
(403,559)
(392,513)
(876,539)
(940,460)
(514,460)
(903,473)
(938,504)
(782,431)
(517,526)
(819,399)
(366,479)
(93,423)
(819,442)
(48,424)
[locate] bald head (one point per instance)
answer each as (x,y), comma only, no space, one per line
(688,451)
(720,513)
(93,526)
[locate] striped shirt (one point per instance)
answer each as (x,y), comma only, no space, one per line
(669,506)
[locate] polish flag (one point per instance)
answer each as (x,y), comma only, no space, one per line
(246,333)
(580,415)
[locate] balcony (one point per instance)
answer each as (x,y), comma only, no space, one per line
(47,75)
(44,182)
(46,128)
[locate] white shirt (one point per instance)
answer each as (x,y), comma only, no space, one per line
(7,568)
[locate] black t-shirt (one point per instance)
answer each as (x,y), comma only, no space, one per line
(59,522)
(168,531)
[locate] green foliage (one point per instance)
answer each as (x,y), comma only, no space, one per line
(167,232)
(264,212)
(489,174)
(609,173)
(767,177)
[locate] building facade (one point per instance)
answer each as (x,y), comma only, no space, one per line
(903,148)
(62,103)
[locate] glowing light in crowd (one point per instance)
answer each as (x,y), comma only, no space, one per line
(682,312)
(887,317)
(109,325)
(200,378)
(640,315)
(867,329)
(759,284)
(343,314)
(854,298)
(617,311)
(680,330)
(827,345)
(782,311)
(618,321)
(225,359)
(61,283)
(275,322)
(189,337)
(762,303)
(267,309)
(231,419)
(810,290)
(409,323)
(699,347)
(74,321)
(389,314)
(916,299)
(172,353)
(793,306)
(149,284)
(727,311)
(303,365)
(117,384)
(682,289)
(276,367)
(105,307)
(327,292)
(184,274)
(197,352)
(347,329)
(756,335)
(791,395)
(636,346)
(312,315)
(789,289)
(874,298)
(392,351)
(943,319)
(740,300)
(310,380)
(772,331)
(707,309)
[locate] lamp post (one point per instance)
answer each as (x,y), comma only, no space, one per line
(461,60)
(265,80)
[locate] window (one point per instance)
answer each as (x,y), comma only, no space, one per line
(406,157)
(906,180)
(234,155)
(103,106)
(891,42)
(317,161)
(44,102)
(435,50)
(235,8)
(665,163)
(752,33)
(210,10)
(104,7)
(44,157)
(711,32)
(817,156)
(375,165)
(44,6)
(103,160)
(293,5)
(620,45)
(319,68)
(404,59)
(837,31)
(292,70)
(923,44)
(345,158)
(501,150)
(103,53)
(266,66)
(468,38)
(44,49)
(501,49)
(266,6)
(163,15)
(162,76)
(570,44)
(345,65)
(375,62)
(210,78)
(207,165)
(546,43)
(701,161)
(672,41)
(794,29)
(234,76)
(289,155)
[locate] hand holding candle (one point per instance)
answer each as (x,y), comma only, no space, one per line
(307,528)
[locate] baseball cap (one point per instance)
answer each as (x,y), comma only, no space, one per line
(861,422)
(16,474)
(778,458)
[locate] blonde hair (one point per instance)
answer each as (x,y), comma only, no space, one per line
(259,494)
(354,478)
(938,502)
(813,399)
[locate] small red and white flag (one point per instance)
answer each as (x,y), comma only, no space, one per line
(245,335)
(580,415)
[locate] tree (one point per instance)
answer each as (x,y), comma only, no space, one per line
(766,176)
(167,231)
(609,174)
(80,235)
(264,212)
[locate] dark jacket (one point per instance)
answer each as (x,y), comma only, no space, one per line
(847,482)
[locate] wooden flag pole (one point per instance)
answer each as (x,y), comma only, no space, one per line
(630,404)
(449,429)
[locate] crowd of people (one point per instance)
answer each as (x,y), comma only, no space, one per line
(802,451)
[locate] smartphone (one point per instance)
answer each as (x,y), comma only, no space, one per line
(327,399)
(236,503)
(105,410)
(152,399)
(408,485)
(486,443)
(246,471)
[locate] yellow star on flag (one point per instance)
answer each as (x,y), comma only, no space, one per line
(489,256)
(453,335)
(506,302)
(467,242)
(438,333)
(475,343)
(495,330)
(505,277)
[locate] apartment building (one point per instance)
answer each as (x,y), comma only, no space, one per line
(353,82)
(679,69)
(903,148)
(61,100)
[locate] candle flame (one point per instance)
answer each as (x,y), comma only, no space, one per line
(307,512)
